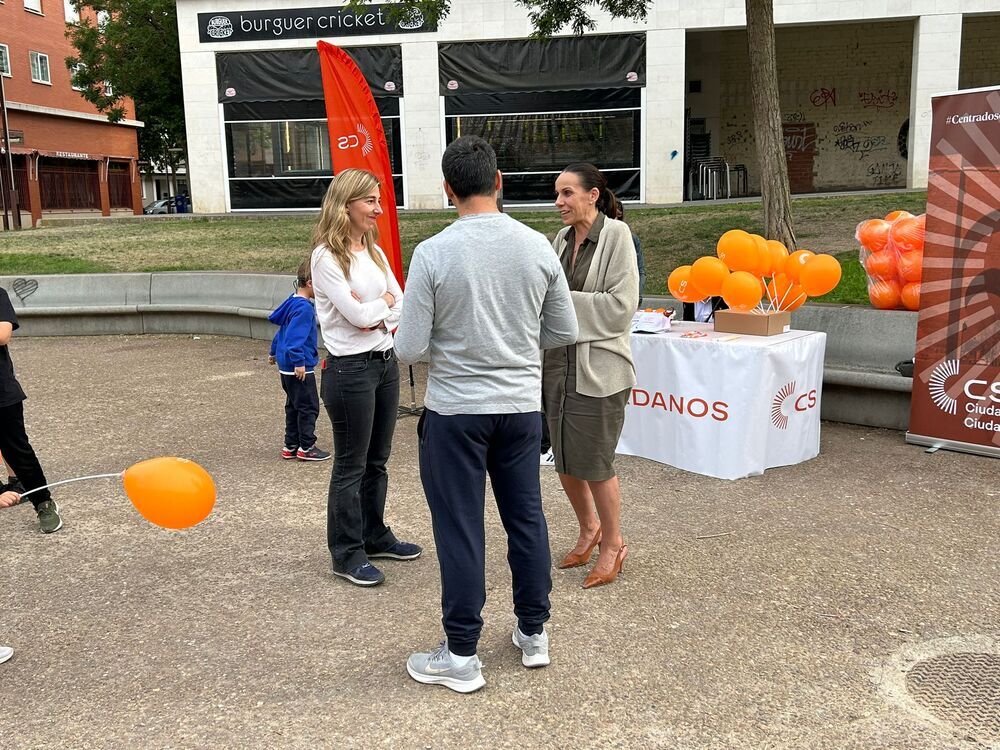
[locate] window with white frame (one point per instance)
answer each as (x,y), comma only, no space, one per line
(108,89)
(34,6)
(102,18)
(74,70)
(39,67)
(4,60)
(72,12)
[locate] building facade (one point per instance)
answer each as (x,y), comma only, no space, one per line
(68,159)
(662,107)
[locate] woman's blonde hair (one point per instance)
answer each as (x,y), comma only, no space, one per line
(333,227)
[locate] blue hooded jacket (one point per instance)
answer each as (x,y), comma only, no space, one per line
(294,345)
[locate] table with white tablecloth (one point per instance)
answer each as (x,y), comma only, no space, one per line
(722,404)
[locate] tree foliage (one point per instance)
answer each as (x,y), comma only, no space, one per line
(133,48)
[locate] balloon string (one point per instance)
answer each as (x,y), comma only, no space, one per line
(77,479)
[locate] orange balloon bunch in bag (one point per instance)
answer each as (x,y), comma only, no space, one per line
(892,253)
(747,268)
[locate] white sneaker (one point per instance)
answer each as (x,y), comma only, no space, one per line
(547,459)
(534,648)
(5,653)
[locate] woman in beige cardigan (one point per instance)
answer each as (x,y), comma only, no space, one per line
(585,386)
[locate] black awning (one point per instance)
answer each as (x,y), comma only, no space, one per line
(562,64)
(294,75)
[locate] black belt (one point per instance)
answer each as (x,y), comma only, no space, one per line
(383,354)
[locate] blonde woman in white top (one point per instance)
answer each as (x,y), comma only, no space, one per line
(358,303)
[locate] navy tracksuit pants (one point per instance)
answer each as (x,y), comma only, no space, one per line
(456,454)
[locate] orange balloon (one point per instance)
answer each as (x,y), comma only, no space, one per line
(741,290)
(170,492)
(893,215)
(763,256)
(680,286)
(795,262)
(873,234)
(738,250)
(910,295)
(885,294)
(881,265)
(777,288)
(796,298)
(907,233)
(820,275)
(911,266)
(707,274)
(777,254)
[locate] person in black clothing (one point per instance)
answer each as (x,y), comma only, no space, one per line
(14,445)
(704,311)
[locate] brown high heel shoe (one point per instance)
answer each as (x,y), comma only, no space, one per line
(600,579)
(575,561)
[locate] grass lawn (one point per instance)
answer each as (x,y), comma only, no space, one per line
(670,237)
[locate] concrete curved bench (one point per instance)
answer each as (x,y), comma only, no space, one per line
(222,303)
(859,383)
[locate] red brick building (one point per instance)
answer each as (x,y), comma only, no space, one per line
(68,159)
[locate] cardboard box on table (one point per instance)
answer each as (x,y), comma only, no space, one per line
(754,324)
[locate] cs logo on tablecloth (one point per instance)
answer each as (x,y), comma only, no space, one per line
(787,402)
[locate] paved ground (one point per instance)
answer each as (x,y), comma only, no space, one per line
(235,634)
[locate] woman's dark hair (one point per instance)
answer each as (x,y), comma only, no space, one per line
(590,178)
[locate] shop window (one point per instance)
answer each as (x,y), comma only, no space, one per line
(4,60)
(277,139)
(532,148)
(35,6)
(39,67)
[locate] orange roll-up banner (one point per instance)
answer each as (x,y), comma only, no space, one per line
(357,139)
(956,381)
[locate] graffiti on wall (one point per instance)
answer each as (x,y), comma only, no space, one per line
(24,288)
(861,146)
(881,99)
(885,173)
(823,97)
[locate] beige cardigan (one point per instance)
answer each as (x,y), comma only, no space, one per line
(604,311)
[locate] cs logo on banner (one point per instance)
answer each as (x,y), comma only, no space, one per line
(352,141)
(797,402)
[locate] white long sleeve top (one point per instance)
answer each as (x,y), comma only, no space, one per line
(341,317)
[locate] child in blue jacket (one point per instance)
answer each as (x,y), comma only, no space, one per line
(294,349)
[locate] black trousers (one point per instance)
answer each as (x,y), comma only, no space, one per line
(18,454)
(301,410)
(361,396)
(456,453)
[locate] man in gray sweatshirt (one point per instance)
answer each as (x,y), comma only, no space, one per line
(483,297)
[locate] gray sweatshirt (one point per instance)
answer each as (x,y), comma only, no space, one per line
(482,298)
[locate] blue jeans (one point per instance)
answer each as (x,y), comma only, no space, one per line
(361,396)
(456,453)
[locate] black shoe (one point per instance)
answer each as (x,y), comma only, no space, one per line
(400,551)
(313,454)
(363,575)
(14,485)
(905,368)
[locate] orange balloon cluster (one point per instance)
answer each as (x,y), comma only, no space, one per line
(739,271)
(892,252)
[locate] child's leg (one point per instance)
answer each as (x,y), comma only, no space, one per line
(18,453)
(308,409)
(289,384)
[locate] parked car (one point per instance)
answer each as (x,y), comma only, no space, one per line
(162,206)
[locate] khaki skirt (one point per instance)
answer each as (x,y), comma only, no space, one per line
(584,430)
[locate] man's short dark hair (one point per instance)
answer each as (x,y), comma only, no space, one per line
(469,165)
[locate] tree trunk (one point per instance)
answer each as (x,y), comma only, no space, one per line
(775,194)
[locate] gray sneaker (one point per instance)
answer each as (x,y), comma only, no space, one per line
(48,517)
(534,648)
(438,668)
